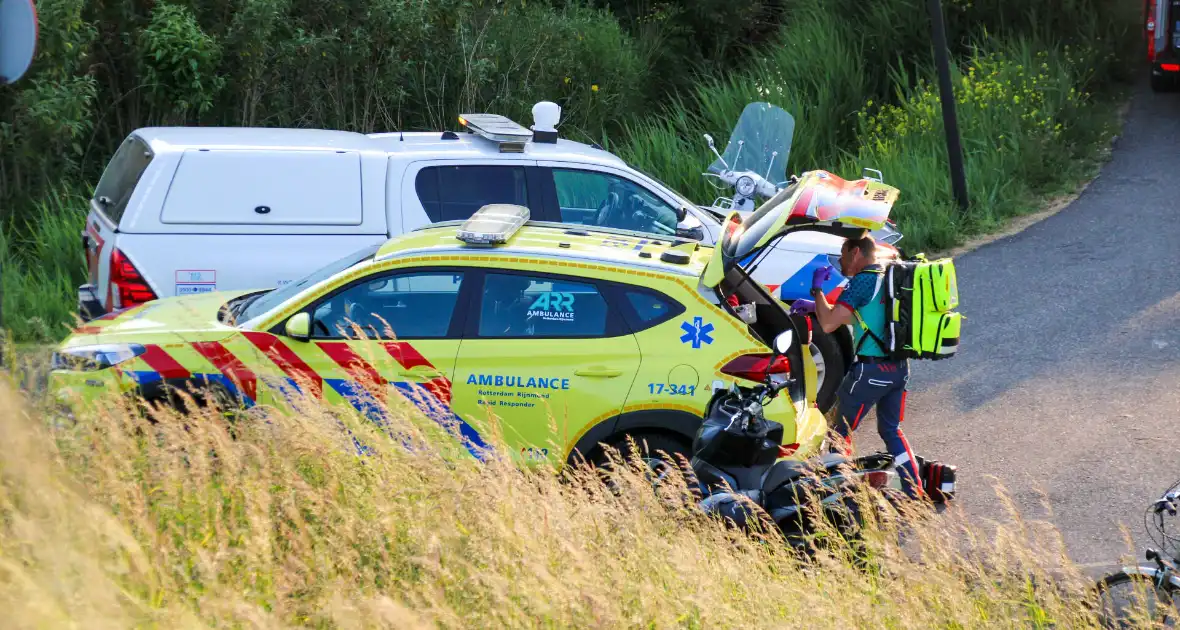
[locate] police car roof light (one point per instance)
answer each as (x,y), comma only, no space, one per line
(510,136)
(493,224)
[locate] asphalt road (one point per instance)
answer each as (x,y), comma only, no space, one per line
(1068,377)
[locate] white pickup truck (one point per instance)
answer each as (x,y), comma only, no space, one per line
(183,210)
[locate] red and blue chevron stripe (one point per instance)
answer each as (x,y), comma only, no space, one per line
(365,388)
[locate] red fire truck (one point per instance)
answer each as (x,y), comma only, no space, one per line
(1162,32)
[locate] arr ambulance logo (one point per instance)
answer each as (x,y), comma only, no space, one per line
(553,306)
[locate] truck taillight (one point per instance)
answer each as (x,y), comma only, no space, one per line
(128,285)
(756,367)
(1150,41)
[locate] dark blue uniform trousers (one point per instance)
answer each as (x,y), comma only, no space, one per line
(884,385)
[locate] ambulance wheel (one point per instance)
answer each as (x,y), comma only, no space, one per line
(829,368)
(652,449)
(1162,83)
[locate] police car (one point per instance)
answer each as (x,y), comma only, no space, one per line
(183,210)
(605,332)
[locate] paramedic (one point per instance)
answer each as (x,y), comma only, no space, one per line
(873,378)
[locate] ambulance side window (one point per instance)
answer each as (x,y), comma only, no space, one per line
(415,305)
(538,307)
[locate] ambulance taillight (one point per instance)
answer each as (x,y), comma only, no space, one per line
(756,367)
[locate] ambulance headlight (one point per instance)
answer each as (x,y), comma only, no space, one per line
(95,357)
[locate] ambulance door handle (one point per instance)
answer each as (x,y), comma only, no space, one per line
(599,370)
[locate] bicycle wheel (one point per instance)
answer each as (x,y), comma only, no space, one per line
(1131,600)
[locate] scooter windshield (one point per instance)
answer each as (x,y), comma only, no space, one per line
(760,142)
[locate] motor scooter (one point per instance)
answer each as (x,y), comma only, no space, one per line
(738,472)
(757,152)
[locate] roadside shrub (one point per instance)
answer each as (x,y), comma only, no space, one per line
(815,72)
(1025,120)
(47,118)
(179,63)
(688,38)
(575,56)
(41,266)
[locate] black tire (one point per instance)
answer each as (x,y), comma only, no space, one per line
(658,449)
(1162,83)
(652,446)
(835,365)
(1130,588)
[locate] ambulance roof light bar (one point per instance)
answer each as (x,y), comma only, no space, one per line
(493,224)
(510,136)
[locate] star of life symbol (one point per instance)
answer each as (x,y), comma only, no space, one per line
(697,332)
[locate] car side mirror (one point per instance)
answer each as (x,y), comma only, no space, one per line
(299,327)
(688,226)
(783,341)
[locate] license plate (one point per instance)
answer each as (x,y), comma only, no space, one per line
(88,305)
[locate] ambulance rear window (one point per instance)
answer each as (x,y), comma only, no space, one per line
(121,177)
(650,308)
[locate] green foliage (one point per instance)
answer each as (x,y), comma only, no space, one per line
(41,266)
(858,78)
(46,119)
(690,37)
(1027,125)
(179,62)
(644,79)
(814,71)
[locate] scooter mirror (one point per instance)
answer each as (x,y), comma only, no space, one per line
(783,341)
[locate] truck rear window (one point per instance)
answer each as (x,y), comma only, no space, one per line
(121,177)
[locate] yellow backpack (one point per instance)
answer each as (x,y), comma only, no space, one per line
(920,299)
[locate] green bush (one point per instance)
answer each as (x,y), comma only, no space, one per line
(179,63)
(646,80)
(1026,124)
(41,265)
(46,119)
(858,79)
(814,71)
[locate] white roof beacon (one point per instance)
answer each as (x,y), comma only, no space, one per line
(510,136)
(493,224)
(546,115)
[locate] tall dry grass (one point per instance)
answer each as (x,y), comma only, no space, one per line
(199,520)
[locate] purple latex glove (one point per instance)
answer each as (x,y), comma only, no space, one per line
(802,307)
(820,276)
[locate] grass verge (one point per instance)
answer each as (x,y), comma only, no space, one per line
(41,266)
(276,521)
